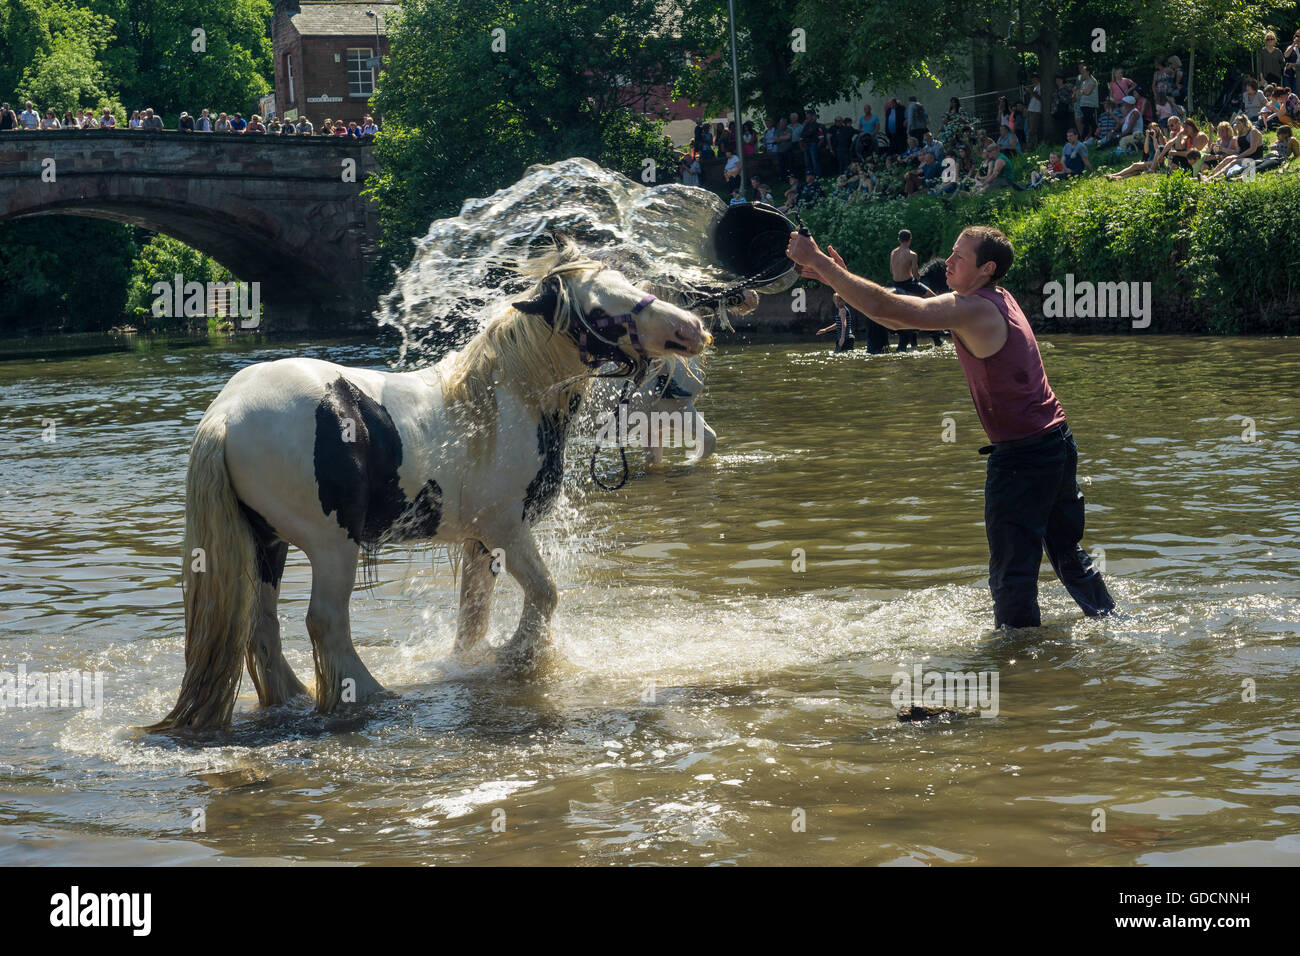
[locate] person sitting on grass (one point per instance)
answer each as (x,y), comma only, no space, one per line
(812,190)
(1130,130)
(1152,150)
(1007,140)
(1055,169)
(913,150)
(1156,139)
(791,194)
(1000,174)
(1249,146)
(965,162)
(1165,110)
(762,191)
(1108,121)
(1180,148)
(868,183)
(1283,150)
(1252,100)
(1283,108)
(1225,145)
(847,183)
(1075,155)
(913,183)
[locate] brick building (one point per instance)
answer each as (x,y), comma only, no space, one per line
(325,57)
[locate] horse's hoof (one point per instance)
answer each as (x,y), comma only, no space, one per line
(351,692)
(522,662)
(475,656)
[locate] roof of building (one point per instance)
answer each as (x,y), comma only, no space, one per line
(341,19)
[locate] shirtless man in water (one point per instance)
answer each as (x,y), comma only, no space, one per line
(907,281)
(1031,498)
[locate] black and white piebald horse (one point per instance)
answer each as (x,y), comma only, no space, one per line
(469,452)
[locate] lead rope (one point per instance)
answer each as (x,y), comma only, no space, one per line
(622,451)
(719,300)
(758,278)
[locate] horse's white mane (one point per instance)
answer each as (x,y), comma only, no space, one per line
(531,356)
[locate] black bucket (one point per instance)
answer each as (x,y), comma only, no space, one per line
(750,240)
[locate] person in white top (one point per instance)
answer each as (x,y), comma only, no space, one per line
(1252,100)
(1035,110)
(1130,133)
(29,117)
(732,169)
(108,120)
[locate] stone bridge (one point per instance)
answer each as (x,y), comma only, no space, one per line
(283,211)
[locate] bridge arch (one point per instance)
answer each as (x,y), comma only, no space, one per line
(279,211)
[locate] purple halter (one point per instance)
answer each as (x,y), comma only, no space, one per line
(608,322)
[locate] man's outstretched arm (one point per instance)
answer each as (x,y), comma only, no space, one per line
(882,306)
(973,319)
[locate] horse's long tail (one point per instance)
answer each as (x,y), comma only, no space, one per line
(219,582)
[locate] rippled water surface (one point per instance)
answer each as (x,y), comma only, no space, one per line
(710,698)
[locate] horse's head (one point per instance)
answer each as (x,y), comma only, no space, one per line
(607,317)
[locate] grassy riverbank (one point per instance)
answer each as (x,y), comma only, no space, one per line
(1221,257)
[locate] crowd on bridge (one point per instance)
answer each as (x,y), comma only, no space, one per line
(898,155)
(31,119)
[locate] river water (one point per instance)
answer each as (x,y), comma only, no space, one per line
(718,700)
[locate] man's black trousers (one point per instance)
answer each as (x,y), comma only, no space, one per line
(1031,503)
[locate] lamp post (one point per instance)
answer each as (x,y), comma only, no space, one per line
(735,92)
(375,69)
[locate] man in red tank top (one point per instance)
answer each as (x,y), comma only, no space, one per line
(1032,501)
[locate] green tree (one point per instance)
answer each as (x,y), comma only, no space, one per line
(24,36)
(1212,28)
(64,274)
(793,54)
(153,60)
(49,52)
(475,91)
(160,260)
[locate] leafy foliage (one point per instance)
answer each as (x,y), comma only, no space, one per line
(72,274)
(1221,257)
(152,60)
(160,260)
(64,274)
(467,110)
(49,52)
(843,44)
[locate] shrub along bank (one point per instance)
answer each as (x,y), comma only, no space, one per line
(1221,257)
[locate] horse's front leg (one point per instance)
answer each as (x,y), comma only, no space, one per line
(476,584)
(523,562)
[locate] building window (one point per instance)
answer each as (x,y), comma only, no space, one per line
(361,77)
(288,69)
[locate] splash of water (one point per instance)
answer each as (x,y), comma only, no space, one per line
(460,274)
